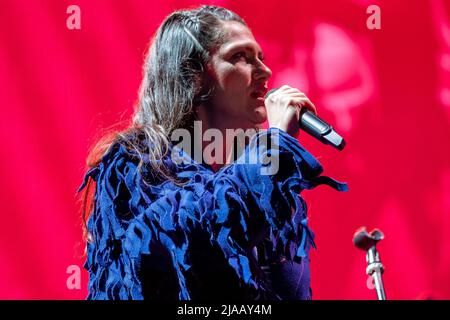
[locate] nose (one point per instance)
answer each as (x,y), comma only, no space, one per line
(262,72)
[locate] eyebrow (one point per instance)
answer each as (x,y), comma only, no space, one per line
(244,45)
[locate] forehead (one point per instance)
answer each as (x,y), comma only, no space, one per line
(238,35)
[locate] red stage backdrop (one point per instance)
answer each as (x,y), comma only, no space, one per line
(387,91)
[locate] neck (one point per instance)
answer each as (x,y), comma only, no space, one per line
(216,144)
(210,138)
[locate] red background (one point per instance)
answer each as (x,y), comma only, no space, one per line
(386,91)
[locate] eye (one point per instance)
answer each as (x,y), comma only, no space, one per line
(239,55)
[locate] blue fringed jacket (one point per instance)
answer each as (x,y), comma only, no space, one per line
(230,234)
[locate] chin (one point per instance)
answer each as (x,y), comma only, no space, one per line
(260,116)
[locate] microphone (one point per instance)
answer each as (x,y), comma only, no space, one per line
(319,129)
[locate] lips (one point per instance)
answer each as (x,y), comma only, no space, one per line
(259,93)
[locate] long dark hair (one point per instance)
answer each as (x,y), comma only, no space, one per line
(174,84)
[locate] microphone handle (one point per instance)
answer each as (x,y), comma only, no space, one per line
(320,130)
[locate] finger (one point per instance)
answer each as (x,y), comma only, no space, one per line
(302,102)
(279,96)
(297,95)
(295,98)
(306,103)
(288,90)
(283,88)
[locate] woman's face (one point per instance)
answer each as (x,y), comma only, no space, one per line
(240,77)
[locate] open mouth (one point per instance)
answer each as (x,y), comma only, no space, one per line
(260,94)
(255,95)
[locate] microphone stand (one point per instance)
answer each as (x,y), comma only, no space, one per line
(367,242)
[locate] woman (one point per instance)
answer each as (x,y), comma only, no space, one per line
(202,229)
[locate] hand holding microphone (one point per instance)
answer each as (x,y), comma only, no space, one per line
(290,110)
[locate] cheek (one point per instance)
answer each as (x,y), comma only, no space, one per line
(236,78)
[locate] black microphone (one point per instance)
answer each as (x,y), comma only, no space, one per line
(318,128)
